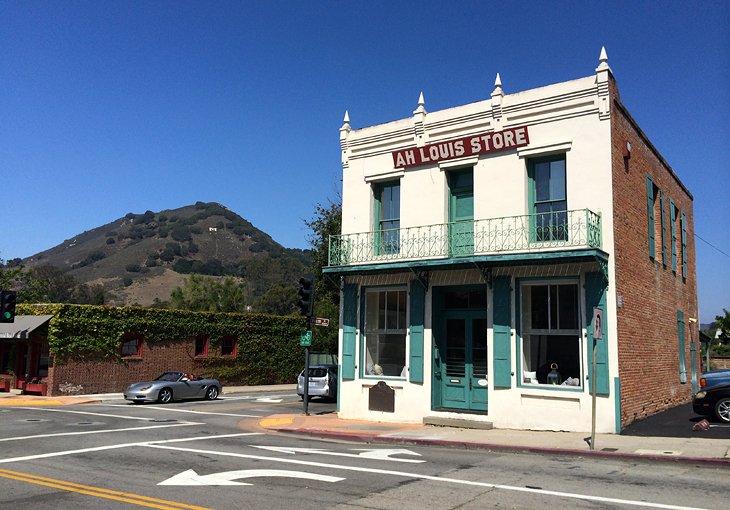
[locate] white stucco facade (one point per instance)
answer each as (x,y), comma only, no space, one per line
(570,121)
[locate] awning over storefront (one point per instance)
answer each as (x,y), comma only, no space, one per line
(23,326)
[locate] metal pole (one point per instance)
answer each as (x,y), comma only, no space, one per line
(593,398)
(306,381)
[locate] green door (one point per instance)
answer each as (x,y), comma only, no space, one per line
(461,352)
(461,213)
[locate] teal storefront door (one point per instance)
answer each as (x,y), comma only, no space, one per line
(460,357)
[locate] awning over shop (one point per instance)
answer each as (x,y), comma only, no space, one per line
(23,326)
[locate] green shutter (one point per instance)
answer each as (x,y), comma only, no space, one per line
(595,287)
(664,230)
(680,335)
(683,220)
(673,220)
(650,214)
(349,330)
(418,308)
(502,332)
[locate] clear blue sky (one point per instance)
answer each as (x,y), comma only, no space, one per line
(115,107)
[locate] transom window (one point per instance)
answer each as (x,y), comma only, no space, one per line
(385,332)
(551,348)
(549,203)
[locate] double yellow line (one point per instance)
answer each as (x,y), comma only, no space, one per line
(134,499)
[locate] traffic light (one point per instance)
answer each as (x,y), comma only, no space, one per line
(7,306)
(306,296)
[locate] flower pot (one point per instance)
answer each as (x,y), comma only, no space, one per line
(36,388)
(5,385)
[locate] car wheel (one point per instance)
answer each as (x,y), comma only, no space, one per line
(722,409)
(211,393)
(165,396)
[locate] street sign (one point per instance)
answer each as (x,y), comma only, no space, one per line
(597,323)
(318,321)
(306,339)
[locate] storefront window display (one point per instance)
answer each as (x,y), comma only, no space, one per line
(385,332)
(551,348)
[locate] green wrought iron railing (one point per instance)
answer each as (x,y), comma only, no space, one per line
(529,233)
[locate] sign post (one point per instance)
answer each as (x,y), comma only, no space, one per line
(597,335)
(306,341)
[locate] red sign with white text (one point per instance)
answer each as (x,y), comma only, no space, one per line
(462,147)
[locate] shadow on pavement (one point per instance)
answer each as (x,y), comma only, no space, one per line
(677,422)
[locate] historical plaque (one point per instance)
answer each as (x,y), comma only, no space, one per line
(382,398)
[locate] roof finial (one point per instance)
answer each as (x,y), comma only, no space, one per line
(346,122)
(603,61)
(497,87)
(421,105)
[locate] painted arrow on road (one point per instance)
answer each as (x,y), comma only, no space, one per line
(382,454)
(190,477)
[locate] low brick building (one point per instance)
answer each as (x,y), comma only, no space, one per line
(69,349)
(489,250)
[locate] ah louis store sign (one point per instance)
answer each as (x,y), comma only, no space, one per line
(462,147)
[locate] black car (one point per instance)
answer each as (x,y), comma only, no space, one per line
(713,401)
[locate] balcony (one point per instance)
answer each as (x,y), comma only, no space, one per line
(528,234)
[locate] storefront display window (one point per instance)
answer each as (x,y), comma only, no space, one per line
(551,349)
(385,332)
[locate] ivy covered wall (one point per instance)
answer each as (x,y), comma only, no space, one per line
(268,350)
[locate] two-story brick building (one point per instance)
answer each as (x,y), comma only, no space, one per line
(481,244)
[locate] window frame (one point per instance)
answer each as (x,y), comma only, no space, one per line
(366,331)
(382,245)
(234,346)
(206,346)
(523,332)
(128,338)
(557,232)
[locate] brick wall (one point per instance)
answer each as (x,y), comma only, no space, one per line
(651,293)
(115,376)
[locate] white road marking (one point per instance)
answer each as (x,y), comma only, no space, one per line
(120,416)
(269,400)
(85,432)
(382,454)
(123,445)
(190,477)
(571,495)
(192,411)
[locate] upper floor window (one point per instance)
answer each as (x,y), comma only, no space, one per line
(387,217)
(548,200)
(132,346)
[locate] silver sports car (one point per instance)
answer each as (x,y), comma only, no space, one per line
(173,386)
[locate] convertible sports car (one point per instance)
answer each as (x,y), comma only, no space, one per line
(173,386)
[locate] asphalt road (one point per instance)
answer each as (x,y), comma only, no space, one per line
(677,422)
(204,455)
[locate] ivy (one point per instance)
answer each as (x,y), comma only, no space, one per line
(268,350)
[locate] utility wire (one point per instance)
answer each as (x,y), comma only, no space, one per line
(712,245)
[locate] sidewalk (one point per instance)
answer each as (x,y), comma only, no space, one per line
(695,449)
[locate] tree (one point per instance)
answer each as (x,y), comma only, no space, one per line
(200,293)
(723,322)
(327,221)
(280,299)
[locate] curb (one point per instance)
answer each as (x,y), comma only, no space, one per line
(365,437)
